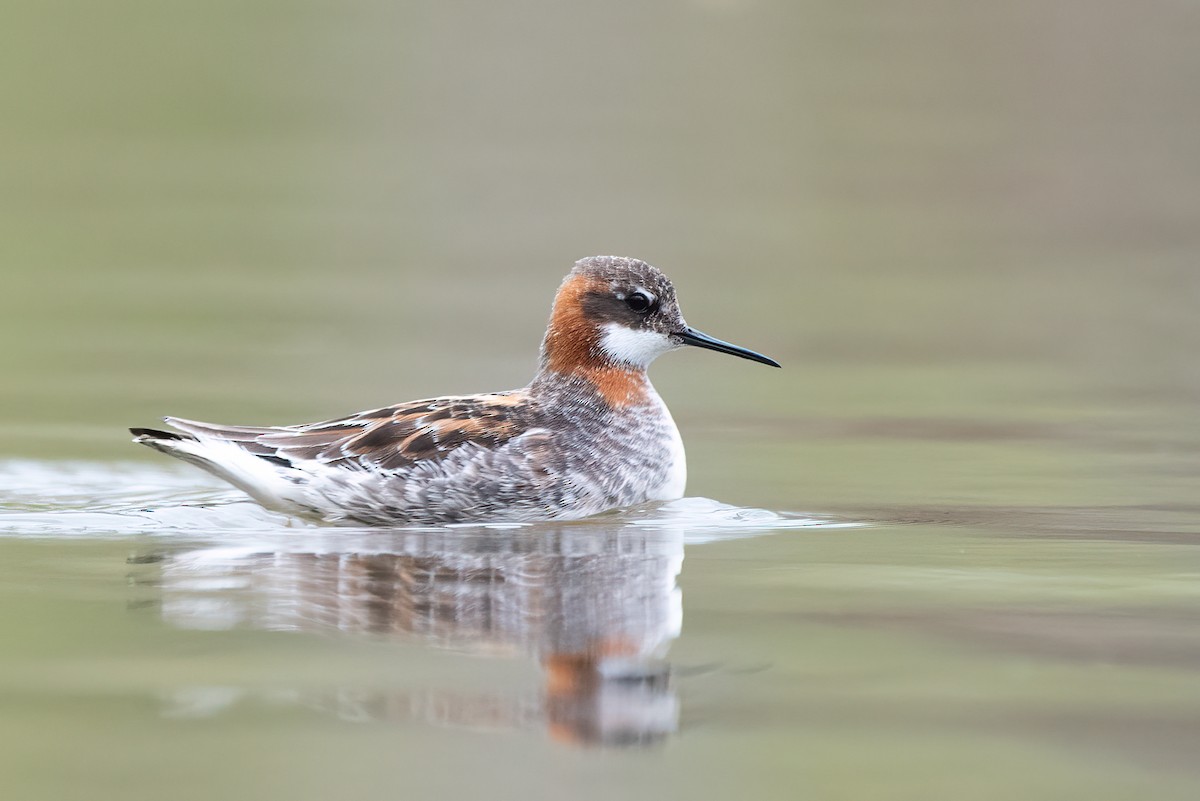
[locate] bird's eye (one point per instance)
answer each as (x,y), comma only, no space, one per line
(639,302)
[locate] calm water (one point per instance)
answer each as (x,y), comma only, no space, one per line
(954,550)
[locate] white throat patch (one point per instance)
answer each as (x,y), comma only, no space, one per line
(638,348)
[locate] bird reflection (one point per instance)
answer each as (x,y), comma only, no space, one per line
(597,606)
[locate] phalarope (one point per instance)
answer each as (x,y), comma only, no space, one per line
(588,434)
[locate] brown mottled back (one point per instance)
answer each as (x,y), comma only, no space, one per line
(390,438)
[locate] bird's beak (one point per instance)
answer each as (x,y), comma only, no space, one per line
(690,336)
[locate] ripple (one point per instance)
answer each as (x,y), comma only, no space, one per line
(98,499)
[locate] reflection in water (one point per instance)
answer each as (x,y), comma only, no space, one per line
(596,605)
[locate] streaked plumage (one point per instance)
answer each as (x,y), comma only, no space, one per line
(587,435)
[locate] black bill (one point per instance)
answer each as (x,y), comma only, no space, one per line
(691,336)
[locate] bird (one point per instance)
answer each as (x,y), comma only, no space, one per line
(589,434)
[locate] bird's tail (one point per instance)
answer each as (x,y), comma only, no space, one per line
(273,483)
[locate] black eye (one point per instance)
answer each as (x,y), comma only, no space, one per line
(639,302)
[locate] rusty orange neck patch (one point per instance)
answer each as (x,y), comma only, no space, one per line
(572,347)
(619,386)
(571,339)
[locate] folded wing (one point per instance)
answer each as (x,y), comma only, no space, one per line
(387,439)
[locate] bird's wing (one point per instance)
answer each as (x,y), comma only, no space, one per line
(391,438)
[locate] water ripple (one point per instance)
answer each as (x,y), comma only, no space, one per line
(96,499)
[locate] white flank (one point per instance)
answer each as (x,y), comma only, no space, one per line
(637,348)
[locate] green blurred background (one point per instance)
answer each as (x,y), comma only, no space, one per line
(274,211)
(971,233)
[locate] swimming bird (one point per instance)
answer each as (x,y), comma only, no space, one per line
(587,435)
